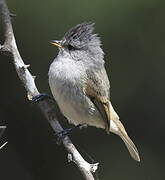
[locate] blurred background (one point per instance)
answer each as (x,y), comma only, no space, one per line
(133,39)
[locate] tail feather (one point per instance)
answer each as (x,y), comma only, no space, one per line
(117,127)
(131,147)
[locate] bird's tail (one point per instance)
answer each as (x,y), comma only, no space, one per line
(117,127)
(131,147)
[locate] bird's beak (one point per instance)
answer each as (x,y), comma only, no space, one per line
(56,43)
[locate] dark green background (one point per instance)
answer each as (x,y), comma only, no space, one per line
(132,32)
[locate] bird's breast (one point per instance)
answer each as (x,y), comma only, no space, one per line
(66,74)
(66,80)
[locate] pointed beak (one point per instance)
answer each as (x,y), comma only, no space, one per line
(56,43)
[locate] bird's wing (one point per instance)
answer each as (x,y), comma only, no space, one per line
(97,89)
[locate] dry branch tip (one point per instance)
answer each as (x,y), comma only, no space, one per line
(24,67)
(34,77)
(29,96)
(12,15)
(3,145)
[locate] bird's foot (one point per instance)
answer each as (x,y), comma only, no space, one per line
(61,135)
(41,97)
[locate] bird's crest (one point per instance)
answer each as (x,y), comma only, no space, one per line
(82,35)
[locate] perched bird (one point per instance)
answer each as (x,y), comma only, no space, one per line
(80,85)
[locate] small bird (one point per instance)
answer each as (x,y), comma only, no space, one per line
(80,85)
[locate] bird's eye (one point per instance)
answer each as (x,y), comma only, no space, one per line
(70,47)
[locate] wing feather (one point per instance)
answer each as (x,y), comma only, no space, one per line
(97,89)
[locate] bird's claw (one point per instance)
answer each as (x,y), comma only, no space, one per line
(62,134)
(41,97)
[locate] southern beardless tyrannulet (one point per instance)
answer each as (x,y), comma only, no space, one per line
(80,85)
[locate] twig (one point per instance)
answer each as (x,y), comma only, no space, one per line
(27,79)
(2,129)
(4,144)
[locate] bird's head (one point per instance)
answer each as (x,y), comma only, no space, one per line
(80,41)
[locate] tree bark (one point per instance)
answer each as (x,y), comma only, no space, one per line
(9,47)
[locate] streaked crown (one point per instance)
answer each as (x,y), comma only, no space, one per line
(81,36)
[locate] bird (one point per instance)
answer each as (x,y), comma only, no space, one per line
(80,85)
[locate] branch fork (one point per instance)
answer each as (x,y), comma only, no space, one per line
(84,164)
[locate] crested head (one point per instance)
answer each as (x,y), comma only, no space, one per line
(81,36)
(80,43)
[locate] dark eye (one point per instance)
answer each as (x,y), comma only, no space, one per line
(70,47)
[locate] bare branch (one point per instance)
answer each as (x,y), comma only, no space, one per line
(29,84)
(4,144)
(2,129)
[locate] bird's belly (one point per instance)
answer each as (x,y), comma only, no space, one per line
(66,82)
(74,104)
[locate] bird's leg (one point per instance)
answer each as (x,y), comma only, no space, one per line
(41,97)
(66,132)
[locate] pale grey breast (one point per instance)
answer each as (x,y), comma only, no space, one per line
(66,79)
